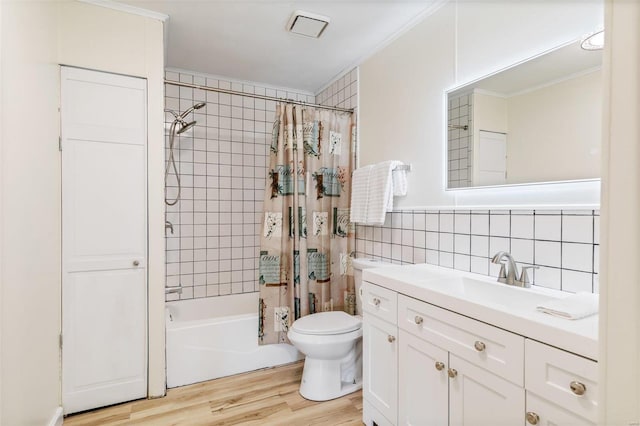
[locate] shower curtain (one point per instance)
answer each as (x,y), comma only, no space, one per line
(306,239)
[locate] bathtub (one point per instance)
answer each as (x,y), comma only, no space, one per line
(216,337)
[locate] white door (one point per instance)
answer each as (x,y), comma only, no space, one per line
(104,239)
(478,397)
(423,384)
(380,365)
(492,159)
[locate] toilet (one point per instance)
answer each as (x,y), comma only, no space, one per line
(332,344)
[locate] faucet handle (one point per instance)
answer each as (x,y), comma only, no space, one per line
(524,276)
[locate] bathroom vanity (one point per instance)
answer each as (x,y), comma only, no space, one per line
(448,347)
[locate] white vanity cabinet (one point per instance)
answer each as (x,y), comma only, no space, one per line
(427,365)
(455,370)
(562,388)
(380,356)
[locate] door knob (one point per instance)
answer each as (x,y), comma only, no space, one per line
(533,418)
(452,372)
(439,366)
(136,262)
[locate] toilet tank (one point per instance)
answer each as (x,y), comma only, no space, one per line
(359,265)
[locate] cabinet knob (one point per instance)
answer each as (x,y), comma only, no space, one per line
(376,301)
(578,388)
(391,338)
(136,262)
(533,418)
(452,372)
(418,319)
(480,346)
(439,366)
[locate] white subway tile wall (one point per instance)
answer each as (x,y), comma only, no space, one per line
(222,164)
(341,93)
(564,245)
(460,149)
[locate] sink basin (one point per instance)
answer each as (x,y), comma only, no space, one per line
(495,295)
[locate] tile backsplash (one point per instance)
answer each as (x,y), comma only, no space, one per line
(564,245)
(222,165)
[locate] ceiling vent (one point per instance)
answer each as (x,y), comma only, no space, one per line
(307,24)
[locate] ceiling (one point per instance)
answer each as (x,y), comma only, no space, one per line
(552,67)
(247,40)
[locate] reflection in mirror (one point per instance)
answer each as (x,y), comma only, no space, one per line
(537,121)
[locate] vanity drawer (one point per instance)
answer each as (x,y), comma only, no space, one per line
(380,302)
(550,372)
(492,348)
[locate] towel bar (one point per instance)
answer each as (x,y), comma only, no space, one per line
(405,167)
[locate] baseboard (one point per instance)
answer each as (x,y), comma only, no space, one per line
(56,420)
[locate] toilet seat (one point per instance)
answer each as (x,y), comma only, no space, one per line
(327,324)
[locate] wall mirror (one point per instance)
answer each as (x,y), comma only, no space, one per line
(536,121)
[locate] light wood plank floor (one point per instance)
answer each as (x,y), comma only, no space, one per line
(265,397)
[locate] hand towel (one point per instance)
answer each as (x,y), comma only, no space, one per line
(380,198)
(576,306)
(360,194)
(399,179)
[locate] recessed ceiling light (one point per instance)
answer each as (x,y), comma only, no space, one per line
(307,24)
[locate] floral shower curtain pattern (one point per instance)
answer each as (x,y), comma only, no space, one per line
(306,238)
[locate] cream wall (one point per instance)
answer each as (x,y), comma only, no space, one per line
(109,40)
(35,37)
(555,132)
(30,210)
(402,89)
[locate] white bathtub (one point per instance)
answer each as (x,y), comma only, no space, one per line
(216,337)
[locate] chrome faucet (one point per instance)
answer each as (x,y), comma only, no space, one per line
(509,271)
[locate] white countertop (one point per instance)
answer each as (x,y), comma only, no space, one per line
(484,299)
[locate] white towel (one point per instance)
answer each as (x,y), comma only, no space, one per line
(360,194)
(576,306)
(380,192)
(399,181)
(373,188)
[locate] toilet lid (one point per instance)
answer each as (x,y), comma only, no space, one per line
(335,322)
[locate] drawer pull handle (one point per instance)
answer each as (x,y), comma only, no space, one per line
(136,263)
(480,346)
(439,366)
(452,372)
(376,301)
(418,319)
(391,338)
(533,418)
(578,388)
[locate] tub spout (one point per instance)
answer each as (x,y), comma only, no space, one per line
(170,290)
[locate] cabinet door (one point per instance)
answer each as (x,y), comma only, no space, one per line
(478,397)
(544,413)
(380,364)
(423,383)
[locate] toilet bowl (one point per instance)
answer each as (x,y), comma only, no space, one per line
(332,344)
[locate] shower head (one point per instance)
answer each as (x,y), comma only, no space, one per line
(193,108)
(184,126)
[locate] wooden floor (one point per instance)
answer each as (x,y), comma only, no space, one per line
(265,397)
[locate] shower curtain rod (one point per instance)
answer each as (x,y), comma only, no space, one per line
(252,95)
